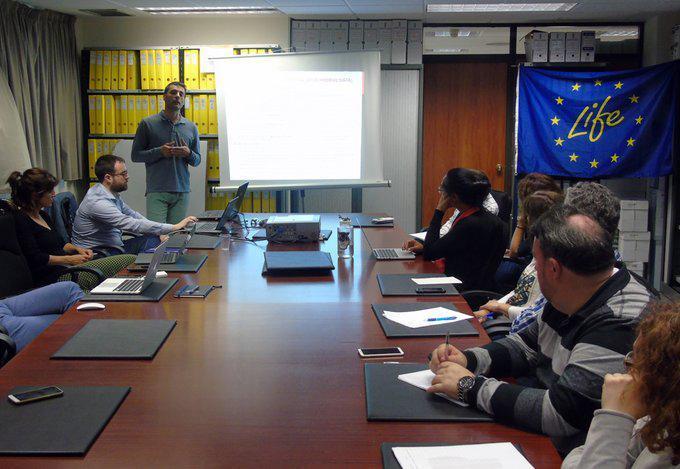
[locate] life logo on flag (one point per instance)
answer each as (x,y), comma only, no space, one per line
(597,124)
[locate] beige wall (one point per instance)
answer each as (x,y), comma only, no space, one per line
(657,45)
(194,31)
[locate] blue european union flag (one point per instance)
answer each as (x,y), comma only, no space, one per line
(597,124)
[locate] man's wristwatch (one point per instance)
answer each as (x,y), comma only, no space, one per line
(465,384)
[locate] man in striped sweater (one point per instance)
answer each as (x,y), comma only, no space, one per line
(582,333)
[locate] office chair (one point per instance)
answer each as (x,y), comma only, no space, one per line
(7,347)
(497,327)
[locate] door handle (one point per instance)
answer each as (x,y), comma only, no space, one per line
(499,168)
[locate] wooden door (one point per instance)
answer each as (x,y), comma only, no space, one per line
(464,124)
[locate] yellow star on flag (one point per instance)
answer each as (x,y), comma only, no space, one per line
(559,100)
(594,163)
(631,141)
(573,157)
(555,120)
(615,158)
(618,86)
(575,87)
(559,141)
(633,99)
(638,121)
(598,83)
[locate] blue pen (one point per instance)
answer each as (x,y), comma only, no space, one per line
(489,316)
(440,319)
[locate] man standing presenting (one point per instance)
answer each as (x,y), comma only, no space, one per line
(167,143)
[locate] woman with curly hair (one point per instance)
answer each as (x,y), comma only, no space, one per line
(619,435)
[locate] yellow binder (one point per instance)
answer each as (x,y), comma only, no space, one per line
(160,69)
(247,203)
(122,117)
(189,108)
(144,68)
(98,73)
(114,69)
(132,74)
(211,81)
(161,103)
(191,69)
(174,57)
(265,201)
(153,105)
(204,114)
(272,202)
(145,106)
(99,148)
(92,113)
(211,160)
(106,70)
(203,81)
(257,202)
(167,67)
(122,69)
(139,108)
(110,115)
(92,84)
(119,124)
(132,114)
(91,156)
(99,114)
(212,114)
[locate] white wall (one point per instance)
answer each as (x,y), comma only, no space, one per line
(657,39)
(171,31)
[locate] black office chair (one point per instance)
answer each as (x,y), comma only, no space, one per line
(504,205)
(497,327)
(7,347)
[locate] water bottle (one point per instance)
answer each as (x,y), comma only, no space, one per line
(345,238)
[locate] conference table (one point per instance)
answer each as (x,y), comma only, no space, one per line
(264,372)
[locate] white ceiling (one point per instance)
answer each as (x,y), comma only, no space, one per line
(598,10)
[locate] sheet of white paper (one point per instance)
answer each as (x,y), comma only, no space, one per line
(415,319)
(423,380)
(419,236)
(483,456)
(436,280)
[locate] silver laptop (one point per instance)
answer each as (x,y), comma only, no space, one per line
(217,214)
(132,286)
(388,254)
(217,227)
(169,257)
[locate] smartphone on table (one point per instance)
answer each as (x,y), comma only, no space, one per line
(380,352)
(39,394)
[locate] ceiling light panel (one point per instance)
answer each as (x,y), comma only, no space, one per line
(497,7)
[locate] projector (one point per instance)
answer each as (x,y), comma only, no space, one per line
(293,228)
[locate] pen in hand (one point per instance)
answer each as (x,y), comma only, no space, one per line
(450,318)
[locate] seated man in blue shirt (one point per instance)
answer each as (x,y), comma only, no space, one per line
(167,143)
(103,216)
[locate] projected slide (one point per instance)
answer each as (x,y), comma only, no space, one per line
(294,125)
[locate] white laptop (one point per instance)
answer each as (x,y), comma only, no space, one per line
(135,285)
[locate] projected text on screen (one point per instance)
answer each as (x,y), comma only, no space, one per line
(294,125)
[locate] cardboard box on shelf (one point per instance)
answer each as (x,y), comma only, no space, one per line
(634,247)
(572,45)
(536,46)
(557,47)
(634,216)
(588,42)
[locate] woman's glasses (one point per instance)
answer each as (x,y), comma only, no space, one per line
(628,361)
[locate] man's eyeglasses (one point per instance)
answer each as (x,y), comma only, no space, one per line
(124,174)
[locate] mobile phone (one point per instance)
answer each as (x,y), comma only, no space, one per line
(382,220)
(35,395)
(425,290)
(381,352)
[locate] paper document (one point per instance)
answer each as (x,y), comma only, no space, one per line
(483,456)
(419,236)
(425,317)
(423,380)
(436,280)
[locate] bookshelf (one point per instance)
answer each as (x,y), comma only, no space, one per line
(126,85)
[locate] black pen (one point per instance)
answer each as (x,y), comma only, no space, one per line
(192,290)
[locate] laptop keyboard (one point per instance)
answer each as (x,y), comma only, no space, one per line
(130,285)
(169,258)
(385,253)
(207,226)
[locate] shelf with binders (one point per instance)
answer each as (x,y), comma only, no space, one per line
(145,92)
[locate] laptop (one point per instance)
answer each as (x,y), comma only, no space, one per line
(172,256)
(217,227)
(217,214)
(135,285)
(388,254)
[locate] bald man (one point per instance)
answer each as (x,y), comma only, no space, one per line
(582,333)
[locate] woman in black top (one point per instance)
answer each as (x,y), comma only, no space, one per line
(474,246)
(45,251)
